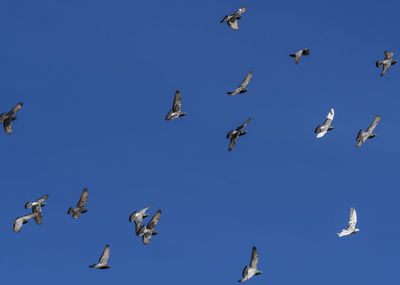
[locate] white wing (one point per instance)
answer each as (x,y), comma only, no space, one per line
(353,219)
(321,134)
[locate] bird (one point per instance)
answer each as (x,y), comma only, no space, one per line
(321,130)
(299,54)
(232,19)
(80,207)
(7,118)
(146,232)
(176,110)
(363,136)
(102,264)
(386,62)
(235,134)
(351,228)
(249,272)
(242,87)
(18,222)
(137,217)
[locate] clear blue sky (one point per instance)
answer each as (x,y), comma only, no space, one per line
(97,79)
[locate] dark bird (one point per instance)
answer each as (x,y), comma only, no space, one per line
(363,136)
(7,118)
(235,134)
(299,54)
(138,217)
(80,207)
(321,130)
(176,110)
(102,264)
(18,222)
(233,19)
(148,231)
(249,272)
(386,62)
(242,87)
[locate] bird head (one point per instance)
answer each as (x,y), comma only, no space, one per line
(258,272)
(243,133)
(43,204)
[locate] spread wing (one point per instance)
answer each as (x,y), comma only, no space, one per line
(245,271)
(83,199)
(241,127)
(246,80)
(177,102)
(373,124)
(254,258)
(154,220)
(385,68)
(42,199)
(233,142)
(8,125)
(105,255)
(240,11)
(353,219)
(329,118)
(15,109)
(38,210)
(21,220)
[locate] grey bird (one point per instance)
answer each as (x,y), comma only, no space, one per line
(18,222)
(80,207)
(146,232)
(363,136)
(326,126)
(233,19)
(37,207)
(242,87)
(7,118)
(102,264)
(299,54)
(249,272)
(235,134)
(138,217)
(386,62)
(176,110)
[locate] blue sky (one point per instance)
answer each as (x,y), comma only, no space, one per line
(97,79)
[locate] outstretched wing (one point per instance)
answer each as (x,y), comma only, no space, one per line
(154,220)
(373,124)
(42,199)
(240,11)
(177,102)
(353,219)
(246,80)
(242,126)
(83,199)
(105,255)
(233,142)
(15,109)
(329,118)
(8,125)
(254,258)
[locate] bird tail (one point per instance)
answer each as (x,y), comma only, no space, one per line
(28,205)
(378,63)
(93,265)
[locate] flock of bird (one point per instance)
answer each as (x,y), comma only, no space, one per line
(147,231)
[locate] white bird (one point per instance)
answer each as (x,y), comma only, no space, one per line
(102,264)
(249,272)
(351,228)
(326,126)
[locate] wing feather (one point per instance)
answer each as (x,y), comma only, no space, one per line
(373,124)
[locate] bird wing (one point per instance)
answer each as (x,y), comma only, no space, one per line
(105,255)
(233,23)
(177,102)
(240,11)
(245,271)
(147,237)
(18,224)
(385,68)
(42,199)
(353,219)
(233,142)
(329,118)
(15,109)
(246,80)
(154,220)
(83,199)
(8,125)
(226,18)
(242,126)
(137,227)
(373,124)
(254,258)
(143,211)
(37,209)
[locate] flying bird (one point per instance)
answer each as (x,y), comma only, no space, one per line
(386,62)
(7,118)
(146,232)
(299,54)
(363,136)
(242,87)
(351,228)
(249,272)
(80,207)
(235,134)
(233,19)
(321,130)
(137,217)
(18,222)
(102,264)
(176,110)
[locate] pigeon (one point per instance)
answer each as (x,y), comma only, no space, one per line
(299,54)
(148,231)
(351,228)
(249,272)
(232,19)
(102,264)
(321,130)
(242,87)
(18,222)
(80,207)
(386,62)
(363,136)
(37,207)
(234,134)
(7,118)
(137,217)
(176,111)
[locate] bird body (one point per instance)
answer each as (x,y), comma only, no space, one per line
(176,110)
(326,126)
(138,217)
(233,19)
(249,272)
(235,134)
(363,136)
(242,87)
(7,118)
(80,206)
(102,264)
(351,228)
(386,62)
(299,54)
